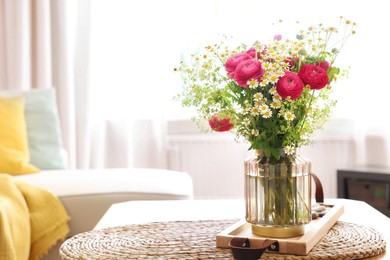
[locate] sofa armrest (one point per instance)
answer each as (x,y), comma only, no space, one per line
(87,194)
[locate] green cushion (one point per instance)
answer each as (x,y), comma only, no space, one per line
(43,130)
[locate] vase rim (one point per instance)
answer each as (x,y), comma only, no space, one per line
(261,152)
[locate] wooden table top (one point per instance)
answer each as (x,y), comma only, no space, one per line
(138,212)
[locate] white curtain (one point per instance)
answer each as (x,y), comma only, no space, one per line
(36,51)
(46,43)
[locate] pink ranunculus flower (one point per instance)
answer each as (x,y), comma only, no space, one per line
(289,85)
(248,70)
(277,37)
(314,76)
(220,125)
(233,61)
(253,53)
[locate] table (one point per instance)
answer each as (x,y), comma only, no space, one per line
(139,212)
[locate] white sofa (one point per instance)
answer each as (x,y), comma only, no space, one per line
(87,194)
(31,139)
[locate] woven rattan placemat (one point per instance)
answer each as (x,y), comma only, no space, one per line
(196,240)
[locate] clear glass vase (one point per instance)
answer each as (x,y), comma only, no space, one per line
(278,195)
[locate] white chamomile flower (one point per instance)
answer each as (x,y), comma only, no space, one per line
(263,107)
(245,111)
(273,78)
(273,55)
(278,59)
(263,83)
(289,116)
(255,132)
(277,97)
(266,65)
(258,96)
(275,104)
(272,91)
(266,113)
(259,103)
(255,111)
(252,84)
(289,150)
(246,121)
(285,65)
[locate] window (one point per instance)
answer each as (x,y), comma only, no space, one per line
(136,44)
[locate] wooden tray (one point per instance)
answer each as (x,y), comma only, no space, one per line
(301,245)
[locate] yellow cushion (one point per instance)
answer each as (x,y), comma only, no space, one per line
(14,155)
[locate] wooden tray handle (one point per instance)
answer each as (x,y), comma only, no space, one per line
(319,193)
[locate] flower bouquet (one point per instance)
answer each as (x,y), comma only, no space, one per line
(274,95)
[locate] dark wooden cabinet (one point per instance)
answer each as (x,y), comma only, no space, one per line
(368,184)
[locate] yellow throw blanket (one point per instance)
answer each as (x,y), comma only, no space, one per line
(32,220)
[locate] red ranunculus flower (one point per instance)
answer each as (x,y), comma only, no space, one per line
(324,64)
(247,70)
(233,61)
(289,85)
(220,125)
(313,75)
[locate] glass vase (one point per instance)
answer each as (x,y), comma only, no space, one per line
(277,195)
